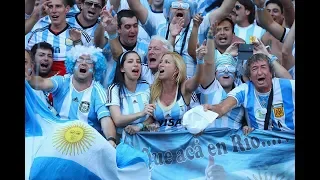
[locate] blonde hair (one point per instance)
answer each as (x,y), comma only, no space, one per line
(156,87)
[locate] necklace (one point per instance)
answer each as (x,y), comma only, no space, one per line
(262,100)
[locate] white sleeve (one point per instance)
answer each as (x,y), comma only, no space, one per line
(113,95)
(239,93)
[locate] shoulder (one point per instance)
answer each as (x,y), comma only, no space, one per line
(113,86)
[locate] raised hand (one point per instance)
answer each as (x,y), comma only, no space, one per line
(42,9)
(197,20)
(108,21)
(75,34)
(233,49)
(259,47)
(176,26)
(202,50)
(212,30)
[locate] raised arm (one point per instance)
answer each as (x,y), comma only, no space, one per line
(288,12)
(38,12)
(28,6)
(223,11)
(279,70)
(209,65)
(175,28)
(288,60)
(106,19)
(39,83)
(140,11)
(192,84)
(193,41)
(266,21)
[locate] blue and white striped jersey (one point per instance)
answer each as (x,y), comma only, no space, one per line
(129,102)
(214,94)
(283,104)
(88,105)
(60,41)
(170,117)
(251,30)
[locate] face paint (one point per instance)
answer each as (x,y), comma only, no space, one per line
(220,74)
(90,70)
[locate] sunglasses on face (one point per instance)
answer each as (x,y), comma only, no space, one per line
(237,7)
(88,61)
(95,5)
(176,5)
(226,68)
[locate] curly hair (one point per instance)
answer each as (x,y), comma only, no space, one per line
(96,56)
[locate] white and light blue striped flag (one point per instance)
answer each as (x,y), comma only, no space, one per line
(72,149)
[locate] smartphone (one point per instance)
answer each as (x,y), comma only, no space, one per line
(245,51)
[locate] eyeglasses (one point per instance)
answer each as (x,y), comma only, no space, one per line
(176,5)
(237,7)
(89,61)
(226,68)
(95,5)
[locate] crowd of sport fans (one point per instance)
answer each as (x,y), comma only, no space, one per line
(139,65)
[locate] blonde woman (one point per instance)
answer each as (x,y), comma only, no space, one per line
(171,91)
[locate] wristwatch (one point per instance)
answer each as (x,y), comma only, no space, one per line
(112,139)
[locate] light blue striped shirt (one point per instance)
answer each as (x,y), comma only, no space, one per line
(88,105)
(59,41)
(251,30)
(283,104)
(214,94)
(129,102)
(170,117)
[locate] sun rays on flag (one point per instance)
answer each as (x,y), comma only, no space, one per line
(73,139)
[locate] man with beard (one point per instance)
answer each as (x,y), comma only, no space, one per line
(30,69)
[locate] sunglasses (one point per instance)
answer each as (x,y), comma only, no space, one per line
(226,69)
(237,7)
(88,61)
(95,5)
(176,5)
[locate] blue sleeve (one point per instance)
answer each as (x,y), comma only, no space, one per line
(58,82)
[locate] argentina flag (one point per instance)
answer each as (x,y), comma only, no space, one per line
(72,149)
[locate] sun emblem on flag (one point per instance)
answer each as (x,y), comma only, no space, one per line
(73,139)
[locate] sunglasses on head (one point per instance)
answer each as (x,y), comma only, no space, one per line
(237,7)
(89,4)
(226,68)
(176,5)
